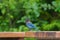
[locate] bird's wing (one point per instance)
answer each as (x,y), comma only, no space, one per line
(30,25)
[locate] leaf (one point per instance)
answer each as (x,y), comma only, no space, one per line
(1,5)
(3,11)
(18,21)
(49,6)
(11,16)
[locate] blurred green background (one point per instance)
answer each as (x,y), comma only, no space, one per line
(45,14)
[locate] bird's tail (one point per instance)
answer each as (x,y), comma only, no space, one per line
(36,29)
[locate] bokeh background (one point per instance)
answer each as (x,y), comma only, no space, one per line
(45,14)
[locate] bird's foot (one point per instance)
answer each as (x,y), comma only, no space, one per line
(30,30)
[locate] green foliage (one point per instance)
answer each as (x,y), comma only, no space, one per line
(56,4)
(30,39)
(53,26)
(43,14)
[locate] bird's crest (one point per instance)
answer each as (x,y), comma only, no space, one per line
(27,20)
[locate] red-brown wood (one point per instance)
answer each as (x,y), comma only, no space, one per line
(12,34)
(39,35)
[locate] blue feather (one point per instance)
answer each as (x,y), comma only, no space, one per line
(30,25)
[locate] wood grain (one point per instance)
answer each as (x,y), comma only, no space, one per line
(12,34)
(30,34)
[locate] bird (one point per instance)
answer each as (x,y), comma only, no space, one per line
(30,25)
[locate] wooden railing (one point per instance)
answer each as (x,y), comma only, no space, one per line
(21,35)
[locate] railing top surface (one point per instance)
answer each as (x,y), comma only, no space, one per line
(43,34)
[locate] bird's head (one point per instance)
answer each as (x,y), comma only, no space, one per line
(27,20)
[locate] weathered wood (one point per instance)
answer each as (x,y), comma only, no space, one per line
(57,34)
(11,34)
(39,35)
(29,34)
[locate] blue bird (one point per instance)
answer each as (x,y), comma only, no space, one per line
(30,25)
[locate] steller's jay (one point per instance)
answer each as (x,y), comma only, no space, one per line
(30,25)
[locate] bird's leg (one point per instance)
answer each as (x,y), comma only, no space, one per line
(30,29)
